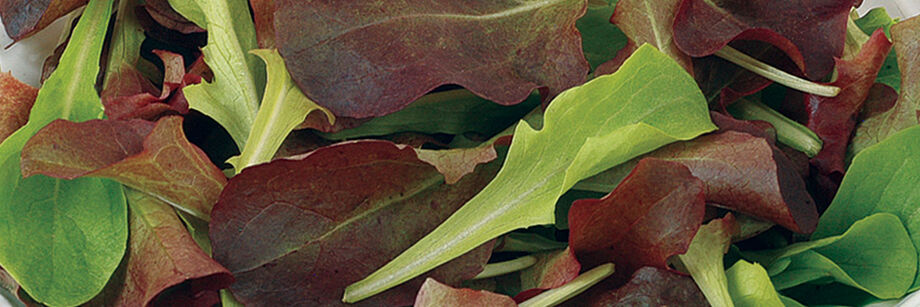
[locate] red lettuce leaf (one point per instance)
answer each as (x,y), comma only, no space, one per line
(723,82)
(163,13)
(743,173)
(652,215)
(834,118)
(16,99)
(161,255)
(299,231)
(650,21)
(131,95)
(371,58)
(435,294)
(154,158)
(552,270)
(22,18)
(651,286)
(811,32)
(263,13)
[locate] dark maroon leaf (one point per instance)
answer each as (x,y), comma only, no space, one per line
(22,18)
(649,22)
(742,173)
(263,13)
(435,294)
(651,286)
(16,99)
(723,82)
(834,118)
(652,215)
(130,95)
(299,231)
(163,13)
(811,32)
(369,58)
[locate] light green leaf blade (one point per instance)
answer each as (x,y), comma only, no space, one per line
(191,11)
(882,178)
(874,255)
(749,285)
(650,96)
(232,99)
(62,239)
(283,107)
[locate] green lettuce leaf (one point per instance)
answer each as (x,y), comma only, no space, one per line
(232,99)
(882,178)
(651,101)
(749,285)
(875,255)
(62,239)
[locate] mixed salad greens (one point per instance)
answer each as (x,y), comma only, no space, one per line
(453,153)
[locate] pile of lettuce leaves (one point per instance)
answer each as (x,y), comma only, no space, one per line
(462,153)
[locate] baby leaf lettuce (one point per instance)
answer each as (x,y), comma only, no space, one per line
(22,18)
(874,255)
(62,239)
(154,158)
(650,22)
(371,58)
(600,40)
(882,178)
(232,99)
(656,287)
(283,108)
(649,102)
(704,259)
(298,231)
(16,99)
(703,27)
(749,285)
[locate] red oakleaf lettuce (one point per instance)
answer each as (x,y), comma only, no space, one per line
(652,215)
(811,32)
(22,18)
(161,255)
(299,231)
(130,95)
(834,118)
(154,158)
(163,13)
(649,21)
(743,173)
(16,99)
(435,294)
(552,270)
(370,58)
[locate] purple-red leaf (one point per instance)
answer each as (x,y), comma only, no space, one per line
(811,32)
(22,18)
(435,294)
(130,95)
(163,13)
(650,21)
(742,173)
(834,118)
(651,286)
(16,99)
(161,255)
(652,215)
(552,270)
(369,58)
(264,18)
(154,158)
(300,231)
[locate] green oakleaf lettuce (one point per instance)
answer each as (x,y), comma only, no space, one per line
(882,178)
(749,285)
(648,103)
(232,99)
(62,239)
(704,258)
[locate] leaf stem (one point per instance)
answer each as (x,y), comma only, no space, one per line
(571,289)
(505,267)
(764,70)
(788,131)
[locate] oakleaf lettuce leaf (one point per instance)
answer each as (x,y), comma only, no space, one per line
(60,239)
(435,294)
(16,99)
(368,59)
(749,285)
(155,158)
(22,18)
(296,232)
(649,102)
